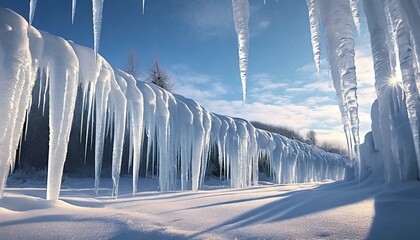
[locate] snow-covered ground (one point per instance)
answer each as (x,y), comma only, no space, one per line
(330,210)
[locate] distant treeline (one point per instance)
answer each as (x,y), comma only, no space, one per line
(291,133)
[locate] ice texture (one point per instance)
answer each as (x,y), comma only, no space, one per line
(241,18)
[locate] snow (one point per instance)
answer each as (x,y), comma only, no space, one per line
(241,18)
(296,211)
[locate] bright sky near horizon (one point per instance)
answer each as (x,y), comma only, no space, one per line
(196,43)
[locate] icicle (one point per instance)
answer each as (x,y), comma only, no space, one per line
(315,32)
(355,13)
(405,50)
(135,112)
(241,18)
(97,6)
(32,8)
(17,80)
(149,120)
(339,31)
(63,69)
(381,53)
(73,10)
(143,6)
(411,10)
(198,134)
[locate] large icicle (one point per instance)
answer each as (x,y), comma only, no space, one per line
(32,8)
(149,121)
(135,109)
(61,62)
(73,10)
(339,31)
(118,107)
(17,80)
(405,51)
(97,7)
(198,136)
(377,24)
(241,18)
(315,32)
(355,13)
(143,6)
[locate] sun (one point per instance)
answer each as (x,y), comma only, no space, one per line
(393,81)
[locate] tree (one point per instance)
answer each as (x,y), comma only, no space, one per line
(158,76)
(132,65)
(311,137)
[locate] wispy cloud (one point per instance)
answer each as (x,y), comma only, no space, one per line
(200,87)
(263,24)
(209,18)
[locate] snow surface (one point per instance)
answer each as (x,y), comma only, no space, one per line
(337,210)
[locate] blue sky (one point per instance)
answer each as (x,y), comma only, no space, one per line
(196,42)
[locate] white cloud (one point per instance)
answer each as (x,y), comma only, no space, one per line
(209,18)
(200,87)
(263,24)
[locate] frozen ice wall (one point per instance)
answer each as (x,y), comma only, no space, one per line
(181,139)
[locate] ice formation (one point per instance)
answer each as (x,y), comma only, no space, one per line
(32,7)
(393,25)
(181,138)
(97,7)
(315,32)
(241,18)
(340,47)
(355,13)
(73,10)
(143,5)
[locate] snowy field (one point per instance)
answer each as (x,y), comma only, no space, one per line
(335,210)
